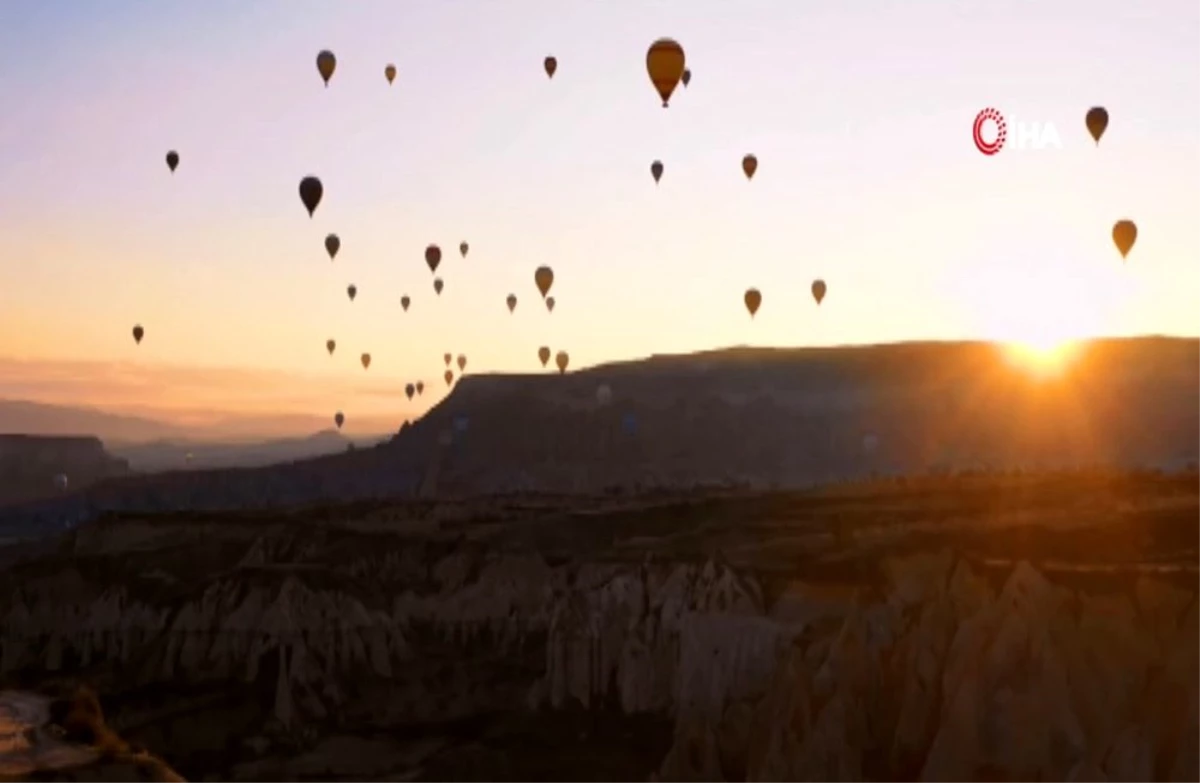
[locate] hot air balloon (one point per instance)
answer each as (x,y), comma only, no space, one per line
(332,245)
(562,360)
(656,170)
(366,360)
(511,301)
(449,376)
(551,65)
(463,247)
(61,481)
(550,304)
(405,302)
(753,300)
(420,387)
(433,257)
(1097,122)
(1124,234)
(339,419)
(603,394)
(686,78)
(172,160)
(438,285)
(138,332)
(544,354)
(330,345)
(187,457)
(351,291)
(447,358)
(389,73)
(410,390)
(462,362)
(818,290)
(665,64)
(749,166)
(544,277)
(311,191)
(326,63)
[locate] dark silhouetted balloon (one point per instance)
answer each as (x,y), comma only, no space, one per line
(462,362)
(818,290)
(447,358)
(311,191)
(172,160)
(1124,234)
(138,333)
(433,257)
(449,376)
(550,303)
(686,78)
(331,346)
(1097,122)
(543,276)
(551,65)
(326,63)
(562,359)
(351,291)
(405,302)
(409,390)
(463,247)
(332,246)
(511,301)
(438,285)
(366,360)
(656,170)
(339,419)
(665,62)
(749,166)
(753,300)
(544,354)
(420,387)
(389,73)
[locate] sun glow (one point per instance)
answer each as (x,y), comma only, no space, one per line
(1042,357)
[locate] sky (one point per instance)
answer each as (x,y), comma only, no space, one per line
(859,113)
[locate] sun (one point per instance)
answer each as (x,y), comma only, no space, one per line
(1042,357)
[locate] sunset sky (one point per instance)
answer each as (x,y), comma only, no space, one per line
(859,111)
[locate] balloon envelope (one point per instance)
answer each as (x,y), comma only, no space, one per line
(138,333)
(561,360)
(818,290)
(1124,234)
(351,291)
(656,170)
(405,302)
(462,362)
(326,63)
(463,247)
(410,390)
(433,257)
(753,300)
(1097,121)
(511,301)
(544,354)
(332,246)
(339,419)
(389,73)
(447,358)
(366,360)
(550,303)
(420,387)
(330,345)
(551,65)
(311,191)
(438,285)
(448,376)
(749,166)
(686,78)
(543,276)
(665,63)
(172,160)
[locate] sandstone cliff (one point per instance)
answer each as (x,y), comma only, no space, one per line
(29,465)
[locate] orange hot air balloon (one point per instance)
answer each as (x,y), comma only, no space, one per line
(561,359)
(544,277)
(511,301)
(749,166)
(753,300)
(330,345)
(410,390)
(351,291)
(447,358)
(326,63)
(1124,234)
(551,65)
(172,160)
(687,77)
(656,170)
(138,333)
(433,257)
(311,191)
(463,247)
(665,62)
(389,73)
(438,285)
(1097,122)
(332,246)
(550,303)
(462,362)
(544,354)
(339,419)
(405,302)
(420,387)
(366,360)
(449,376)
(818,290)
